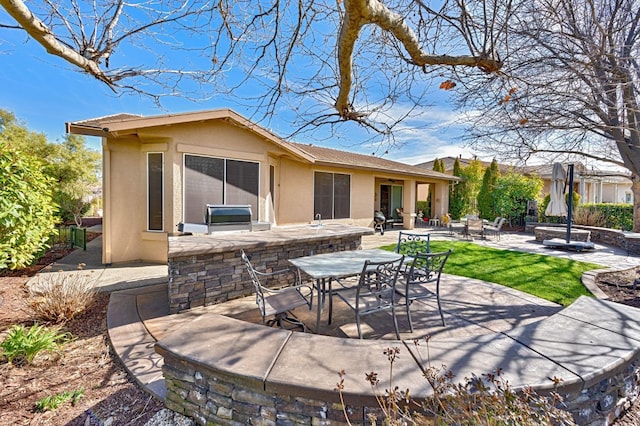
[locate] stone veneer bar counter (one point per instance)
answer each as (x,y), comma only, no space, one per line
(207,269)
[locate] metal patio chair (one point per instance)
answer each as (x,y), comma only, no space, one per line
(474,226)
(426,268)
(411,243)
(495,229)
(277,303)
(374,292)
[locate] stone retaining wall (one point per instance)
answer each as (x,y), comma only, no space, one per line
(211,278)
(219,379)
(210,398)
(543,233)
(613,237)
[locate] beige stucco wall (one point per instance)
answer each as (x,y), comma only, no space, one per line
(125,235)
(294,200)
(124,183)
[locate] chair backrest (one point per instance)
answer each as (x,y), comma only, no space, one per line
(496,221)
(474,225)
(410,244)
(471,216)
(255,279)
(500,223)
(427,267)
(380,278)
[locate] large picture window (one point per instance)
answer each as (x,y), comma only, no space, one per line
(332,195)
(155,191)
(210,180)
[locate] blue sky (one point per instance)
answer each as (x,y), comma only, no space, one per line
(45,92)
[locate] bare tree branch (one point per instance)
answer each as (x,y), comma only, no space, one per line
(41,33)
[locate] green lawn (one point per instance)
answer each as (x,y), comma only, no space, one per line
(551,278)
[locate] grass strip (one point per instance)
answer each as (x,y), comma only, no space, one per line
(555,279)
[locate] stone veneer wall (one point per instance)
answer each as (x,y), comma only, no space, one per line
(613,237)
(211,278)
(606,400)
(198,392)
(543,233)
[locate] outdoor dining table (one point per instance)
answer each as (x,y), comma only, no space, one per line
(339,264)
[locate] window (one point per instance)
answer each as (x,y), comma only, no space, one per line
(209,180)
(155,190)
(332,195)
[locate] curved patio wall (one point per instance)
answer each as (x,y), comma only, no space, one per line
(225,371)
(613,237)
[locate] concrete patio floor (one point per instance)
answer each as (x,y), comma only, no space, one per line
(138,315)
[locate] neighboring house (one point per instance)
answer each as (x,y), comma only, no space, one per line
(159,171)
(594,186)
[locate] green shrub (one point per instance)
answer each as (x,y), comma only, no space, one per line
(588,217)
(425,206)
(22,345)
(27,212)
(52,402)
(60,296)
(615,216)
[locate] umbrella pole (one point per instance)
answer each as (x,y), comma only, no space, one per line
(570,203)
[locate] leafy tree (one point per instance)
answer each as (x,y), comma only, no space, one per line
(511,193)
(472,175)
(438,165)
(75,167)
(27,211)
(456,191)
(486,206)
(72,166)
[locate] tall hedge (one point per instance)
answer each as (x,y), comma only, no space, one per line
(27,212)
(616,216)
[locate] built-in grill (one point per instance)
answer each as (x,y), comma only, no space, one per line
(221,217)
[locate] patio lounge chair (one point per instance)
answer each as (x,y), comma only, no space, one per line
(474,226)
(495,229)
(426,268)
(375,291)
(278,302)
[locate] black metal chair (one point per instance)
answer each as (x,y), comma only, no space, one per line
(411,243)
(426,268)
(374,292)
(278,302)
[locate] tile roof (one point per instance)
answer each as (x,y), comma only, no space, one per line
(123,123)
(337,157)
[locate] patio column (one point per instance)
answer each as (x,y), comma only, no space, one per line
(409,201)
(441,199)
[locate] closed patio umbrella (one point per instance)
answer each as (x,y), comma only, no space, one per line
(557,205)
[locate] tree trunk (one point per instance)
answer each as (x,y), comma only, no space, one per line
(635,188)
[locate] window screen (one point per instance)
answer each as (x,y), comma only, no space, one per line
(155,197)
(341,196)
(242,184)
(203,184)
(332,195)
(209,180)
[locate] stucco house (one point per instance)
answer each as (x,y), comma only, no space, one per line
(159,171)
